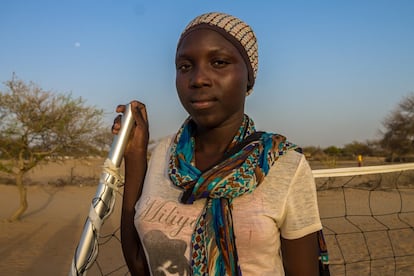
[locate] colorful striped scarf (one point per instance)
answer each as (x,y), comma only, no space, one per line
(246,162)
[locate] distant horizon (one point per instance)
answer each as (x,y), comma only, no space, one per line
(329,71)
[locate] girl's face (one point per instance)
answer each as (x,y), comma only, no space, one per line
(211,79)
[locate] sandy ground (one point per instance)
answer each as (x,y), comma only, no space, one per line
(44,241)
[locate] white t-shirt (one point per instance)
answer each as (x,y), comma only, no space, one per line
(284,204)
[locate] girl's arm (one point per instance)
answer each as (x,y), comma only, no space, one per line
(131,244)
(300,256)
(135,158)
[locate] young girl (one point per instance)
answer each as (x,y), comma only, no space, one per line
(218,197)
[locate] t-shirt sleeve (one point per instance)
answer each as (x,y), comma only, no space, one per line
(301,209)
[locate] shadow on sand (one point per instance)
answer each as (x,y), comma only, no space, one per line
(53,252)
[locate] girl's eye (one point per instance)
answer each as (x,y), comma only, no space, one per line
(220,63)
(184,67)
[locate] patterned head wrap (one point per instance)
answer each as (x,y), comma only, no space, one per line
(236,32)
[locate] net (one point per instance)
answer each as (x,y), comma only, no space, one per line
(367,214)
(368,219)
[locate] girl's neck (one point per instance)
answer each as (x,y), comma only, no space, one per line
(211,144)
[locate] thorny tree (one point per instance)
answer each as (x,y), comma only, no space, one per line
(398,137)
(37,125)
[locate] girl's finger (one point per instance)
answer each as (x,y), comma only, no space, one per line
(120,108)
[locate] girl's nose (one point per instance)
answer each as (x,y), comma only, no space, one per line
(200,77)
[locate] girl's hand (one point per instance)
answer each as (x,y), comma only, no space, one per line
(138,141)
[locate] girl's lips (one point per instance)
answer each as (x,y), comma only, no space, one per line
(202,104)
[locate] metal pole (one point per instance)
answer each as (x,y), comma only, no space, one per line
(103,201)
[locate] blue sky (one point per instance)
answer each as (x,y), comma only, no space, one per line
(329,71)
